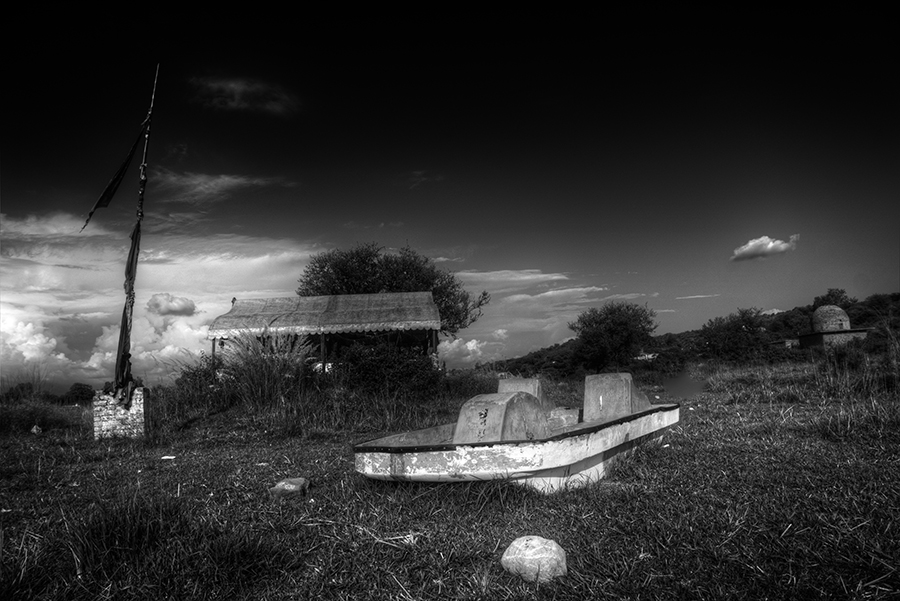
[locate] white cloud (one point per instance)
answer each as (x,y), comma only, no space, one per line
(627,296)
(507,280)
(526,321)
(759,248)
(243,94)
(202,188)
(558,295)
(164,303)
(28,351)
(54,224)
(23,341)
(460,352)
(56,284)
(697,296)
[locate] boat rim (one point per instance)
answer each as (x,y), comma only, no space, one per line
(369,446)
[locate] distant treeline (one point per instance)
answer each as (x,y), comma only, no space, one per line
(78,393)
(746,335)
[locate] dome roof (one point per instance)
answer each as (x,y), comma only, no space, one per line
(830,318)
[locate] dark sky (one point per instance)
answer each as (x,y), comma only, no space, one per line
(694,173)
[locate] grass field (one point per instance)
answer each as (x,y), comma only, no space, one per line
(778,483)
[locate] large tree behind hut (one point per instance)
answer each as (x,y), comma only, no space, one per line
(368,269)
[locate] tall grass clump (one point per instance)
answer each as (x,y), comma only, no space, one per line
(768,384)
(139,547)
(855,386)
(197,392)
(859,391)
(25,415)
(25,403)
(265,370)
(27,383)
(251,373)
(463,384)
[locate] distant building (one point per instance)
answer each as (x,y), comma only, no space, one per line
(831,327)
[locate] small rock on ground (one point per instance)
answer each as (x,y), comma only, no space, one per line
(535,558)
(289,487)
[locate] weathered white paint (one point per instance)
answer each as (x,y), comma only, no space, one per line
(572,456)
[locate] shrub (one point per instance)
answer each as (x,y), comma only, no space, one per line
(466,383)
(23,416)
(78,394)
(387,370)
(739,337)
(612,334)
(198,391)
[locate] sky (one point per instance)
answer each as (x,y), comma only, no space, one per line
(695,175)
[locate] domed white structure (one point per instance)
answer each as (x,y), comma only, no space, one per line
(830,318)
(831,327)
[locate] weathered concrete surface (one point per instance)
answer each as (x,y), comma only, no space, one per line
(534,558)
(611,396)
(501,416)
(549,465)
(562,417)
(530,385)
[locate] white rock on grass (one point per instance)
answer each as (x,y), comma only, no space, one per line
(534,558)
(290,486)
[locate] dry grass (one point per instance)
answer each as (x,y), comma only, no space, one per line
(770,487)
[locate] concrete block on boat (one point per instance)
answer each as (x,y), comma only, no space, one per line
(611,396)
(500,417)
(530,385)
(561,417)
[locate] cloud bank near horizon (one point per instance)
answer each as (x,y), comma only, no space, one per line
(62,294)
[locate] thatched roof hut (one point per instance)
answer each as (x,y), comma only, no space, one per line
(344,315)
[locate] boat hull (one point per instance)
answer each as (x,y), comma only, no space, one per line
(571,457)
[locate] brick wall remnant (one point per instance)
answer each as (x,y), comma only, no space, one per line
(112,418)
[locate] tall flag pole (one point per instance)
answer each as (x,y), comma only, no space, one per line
(124,384)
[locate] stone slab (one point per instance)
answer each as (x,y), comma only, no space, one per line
(530,385)
(607,396)
(500,417)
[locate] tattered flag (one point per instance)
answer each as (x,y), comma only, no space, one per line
(123,356)
(113,185)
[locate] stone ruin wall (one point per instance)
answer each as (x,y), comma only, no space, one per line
(839,338)
(113,419)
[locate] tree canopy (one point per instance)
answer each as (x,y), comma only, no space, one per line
(739,336)
(367,269)
(834,296)
(612,334)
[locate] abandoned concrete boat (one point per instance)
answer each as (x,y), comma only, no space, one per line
(517,434)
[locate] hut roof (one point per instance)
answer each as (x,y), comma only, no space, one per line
(329,314)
